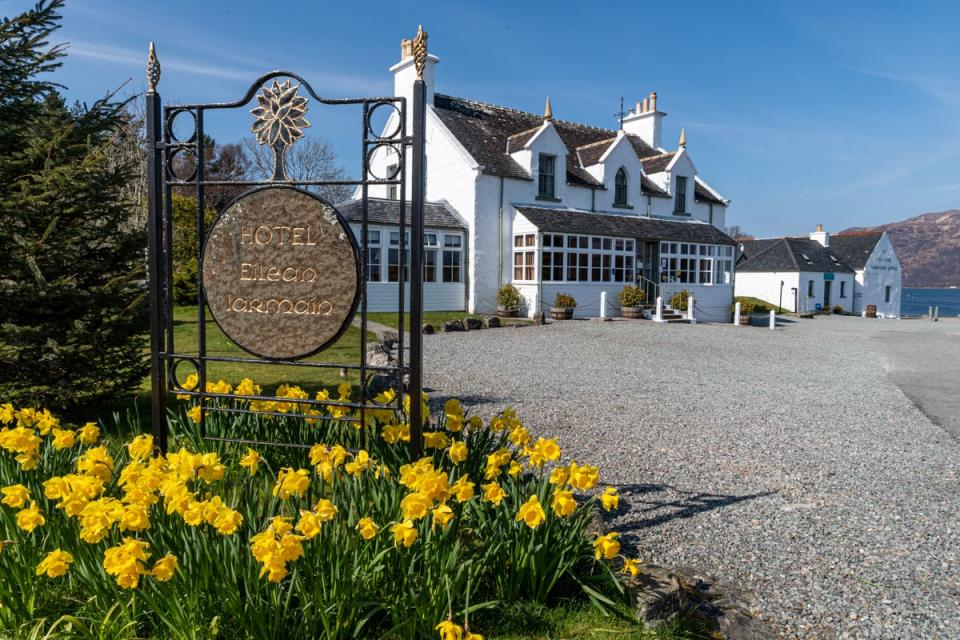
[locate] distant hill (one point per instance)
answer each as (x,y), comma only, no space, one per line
(928,246)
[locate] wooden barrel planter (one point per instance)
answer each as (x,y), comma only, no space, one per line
(634,313)
(746,319)
(561,313)
(506,313)
(871,311)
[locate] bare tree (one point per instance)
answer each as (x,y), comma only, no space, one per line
(735,232)
(309,159)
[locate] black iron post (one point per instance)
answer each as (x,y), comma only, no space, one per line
(416,268)
(155,263)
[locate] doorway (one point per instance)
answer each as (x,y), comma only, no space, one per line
(826,294)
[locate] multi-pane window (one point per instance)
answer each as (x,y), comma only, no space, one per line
(392,189)
(693,263)
(547,176)
(393,258)
(452,257)
(374,255)
(576,258)
(680,195)
(431,244)
(620,188)
(524,257)
(843,289)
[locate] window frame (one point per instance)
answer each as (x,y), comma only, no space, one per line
(393,190)
(695,263)
(621,188)
(680,195)
(545,178)
(579,258)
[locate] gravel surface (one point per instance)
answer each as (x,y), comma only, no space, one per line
(787,462)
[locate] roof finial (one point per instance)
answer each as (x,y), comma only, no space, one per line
(153,69)
(420,51)
(548,110)
(683,138)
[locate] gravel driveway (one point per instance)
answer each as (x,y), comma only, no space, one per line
(786,461)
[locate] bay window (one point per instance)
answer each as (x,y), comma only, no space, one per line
(452,257)
(694,263)
(577,258)
(524,257)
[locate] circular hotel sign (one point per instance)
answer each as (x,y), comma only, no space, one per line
(281,272)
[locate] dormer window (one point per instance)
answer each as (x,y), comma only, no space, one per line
(546,176)
(620,188)
(680,195)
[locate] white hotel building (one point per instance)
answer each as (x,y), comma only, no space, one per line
(549,206)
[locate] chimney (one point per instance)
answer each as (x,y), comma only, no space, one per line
(646,121)
(405,74)
(821,236)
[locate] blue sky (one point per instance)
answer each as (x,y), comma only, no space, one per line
(841,113)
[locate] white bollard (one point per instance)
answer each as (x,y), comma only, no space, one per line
(936,314)
(659,312)
(773,319)
(736,314)
(930,314)
(603,305)
(690,303)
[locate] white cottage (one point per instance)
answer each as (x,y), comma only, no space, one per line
(821,272)
(551,206)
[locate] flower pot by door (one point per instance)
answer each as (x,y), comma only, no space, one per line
(506,313)
(635,313)
(561,313)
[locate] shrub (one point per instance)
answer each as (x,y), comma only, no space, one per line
(564,301)
(73,321)
(747,305)
(680,300)
(632,296)
(508,297)
(285,543)
(837,309)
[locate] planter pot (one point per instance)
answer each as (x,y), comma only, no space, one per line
(746,319)
(561,313)
(506,313)
(635,313)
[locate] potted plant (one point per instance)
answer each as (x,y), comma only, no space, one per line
(747,307)
(680,300)
(563,306)
(631,302)
(837,309)
(508,301)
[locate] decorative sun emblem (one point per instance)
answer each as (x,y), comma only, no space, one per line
(280,120)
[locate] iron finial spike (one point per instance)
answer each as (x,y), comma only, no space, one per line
(683,137)
(548,110)
(153,69)
(420,51)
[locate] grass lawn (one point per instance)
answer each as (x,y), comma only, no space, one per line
(186,329)
(582,621)
(436,318)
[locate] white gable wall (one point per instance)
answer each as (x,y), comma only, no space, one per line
(881,270)
(766,286)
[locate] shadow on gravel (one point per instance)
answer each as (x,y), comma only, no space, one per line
(656,504)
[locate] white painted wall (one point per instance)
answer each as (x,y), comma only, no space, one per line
(882,270)
(712,302)
(766,286)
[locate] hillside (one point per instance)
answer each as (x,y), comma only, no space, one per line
(928,246)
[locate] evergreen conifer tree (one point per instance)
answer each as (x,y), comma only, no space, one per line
(72,277)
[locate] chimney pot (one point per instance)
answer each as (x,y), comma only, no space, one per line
(819,228)
(646,105)
(653,100)
(406,49)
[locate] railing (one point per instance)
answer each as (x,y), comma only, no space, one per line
(651,289)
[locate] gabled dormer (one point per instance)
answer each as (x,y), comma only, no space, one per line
(542,153)
(615,165)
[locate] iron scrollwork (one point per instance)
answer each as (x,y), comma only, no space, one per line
(280,120)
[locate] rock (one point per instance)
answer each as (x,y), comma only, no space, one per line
(660,594)
(428,329)
(538,318)
(389,338)
(451,325)
(492,322)
(379,354)
(473,323)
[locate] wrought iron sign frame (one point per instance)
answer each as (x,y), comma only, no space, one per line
(164,147)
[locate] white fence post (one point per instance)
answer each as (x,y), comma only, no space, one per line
(773,319)
(659,312)
(603,305)
(690,304)
(736,314)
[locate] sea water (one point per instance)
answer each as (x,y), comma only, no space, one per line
(917,302)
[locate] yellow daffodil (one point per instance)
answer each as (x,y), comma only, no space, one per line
(494,493)
(308,525)
(631,567)
(247,387)
(606,546)
(63,438)
(7,413)
(361,462)
(251,461)
(325,510)
(54,564)
(563,503)
(531,513)
(141,447)
(458,452)
(610,499)
(442,515)
(164,567)
(435,440)
(367,528)
(16,495)
(30,518)
(543,451)
(195,413)
(559,476)
(89,433)
(415,506)
(290,483)
(126,562)
(449,630)
(583,477)
(462,489)
(404,533)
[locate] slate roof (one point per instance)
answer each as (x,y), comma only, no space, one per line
(657,163)
(591,153)
(383,211)
(485,130)
(702,194)
(603,224)
(855,248)
(649,187)
(790,254)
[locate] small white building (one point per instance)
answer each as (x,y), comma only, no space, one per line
(822,272)
(550,206)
